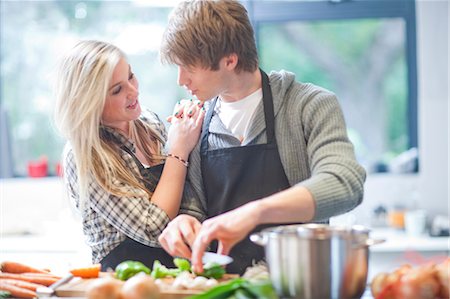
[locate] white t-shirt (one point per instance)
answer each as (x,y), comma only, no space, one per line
(236,116)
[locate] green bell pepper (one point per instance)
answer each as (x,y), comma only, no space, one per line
(128,269)
(212,270)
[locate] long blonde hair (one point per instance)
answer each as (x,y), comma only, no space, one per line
(82,81)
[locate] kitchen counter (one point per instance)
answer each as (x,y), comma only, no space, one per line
(399,241)
(400,249)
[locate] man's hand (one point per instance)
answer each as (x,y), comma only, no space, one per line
(179,235)
(228,229)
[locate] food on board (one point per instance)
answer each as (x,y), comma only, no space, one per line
(140,286)
(20,280)
(128,269)
(427,281)
(92,271)
(105,288)
(15,267)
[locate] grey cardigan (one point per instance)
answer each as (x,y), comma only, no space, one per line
(312,141)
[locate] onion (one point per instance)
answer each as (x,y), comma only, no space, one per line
(104,288)
(140,286)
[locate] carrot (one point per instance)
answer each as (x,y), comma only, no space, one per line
(15,267)
(92,271)
(48,275)
(15,291)
(46,281)
(21,283)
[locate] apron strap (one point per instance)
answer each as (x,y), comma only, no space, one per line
(205,129)
(268,108)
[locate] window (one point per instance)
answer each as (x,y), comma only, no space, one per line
(362,50)
(34,33)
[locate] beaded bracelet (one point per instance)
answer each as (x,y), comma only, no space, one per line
(185,163)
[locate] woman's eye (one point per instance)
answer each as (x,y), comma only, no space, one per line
(116,90)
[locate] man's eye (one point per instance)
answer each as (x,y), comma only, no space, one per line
(131,76)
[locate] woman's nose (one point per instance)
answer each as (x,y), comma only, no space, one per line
(133,91)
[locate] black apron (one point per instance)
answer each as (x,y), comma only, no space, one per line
(130,249)
(235,176)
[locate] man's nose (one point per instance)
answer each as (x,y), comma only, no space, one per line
(182,79)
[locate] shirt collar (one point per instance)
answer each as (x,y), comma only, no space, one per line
(117,137)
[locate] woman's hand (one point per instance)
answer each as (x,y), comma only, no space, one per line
(185,107)
(185,128)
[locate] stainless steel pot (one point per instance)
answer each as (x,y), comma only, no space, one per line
(315,261)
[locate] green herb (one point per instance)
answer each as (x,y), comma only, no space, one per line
(5,294)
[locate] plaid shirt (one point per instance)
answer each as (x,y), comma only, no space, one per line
(109,219)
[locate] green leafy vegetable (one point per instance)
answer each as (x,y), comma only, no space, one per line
(240,288)
(5,294)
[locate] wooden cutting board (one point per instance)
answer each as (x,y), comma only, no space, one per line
(77,288)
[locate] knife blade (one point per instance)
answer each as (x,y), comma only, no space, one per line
(211,257)
(50,290)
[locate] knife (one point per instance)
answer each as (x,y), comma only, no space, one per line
(211,257)
(50,290)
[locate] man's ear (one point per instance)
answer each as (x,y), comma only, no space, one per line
(231,61)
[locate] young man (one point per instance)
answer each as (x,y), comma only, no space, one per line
(272,150)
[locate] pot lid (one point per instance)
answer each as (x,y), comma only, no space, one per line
(317,231)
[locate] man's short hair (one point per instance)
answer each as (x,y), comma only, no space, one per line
(202,32)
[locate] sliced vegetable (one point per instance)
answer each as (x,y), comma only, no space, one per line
(212,270)
(128,269)
(161,271)
(182,264)
(87,272)
(15,267)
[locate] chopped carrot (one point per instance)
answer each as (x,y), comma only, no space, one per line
(21,283)
(15,267)
(15,291)
(46,281)
(92,271)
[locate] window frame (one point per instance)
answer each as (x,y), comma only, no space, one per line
(283,11)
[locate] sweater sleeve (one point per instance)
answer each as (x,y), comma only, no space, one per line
(337,179)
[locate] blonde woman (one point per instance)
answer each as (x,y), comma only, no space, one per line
(116,171)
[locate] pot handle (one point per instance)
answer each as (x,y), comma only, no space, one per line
(258,238)
(370,242)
